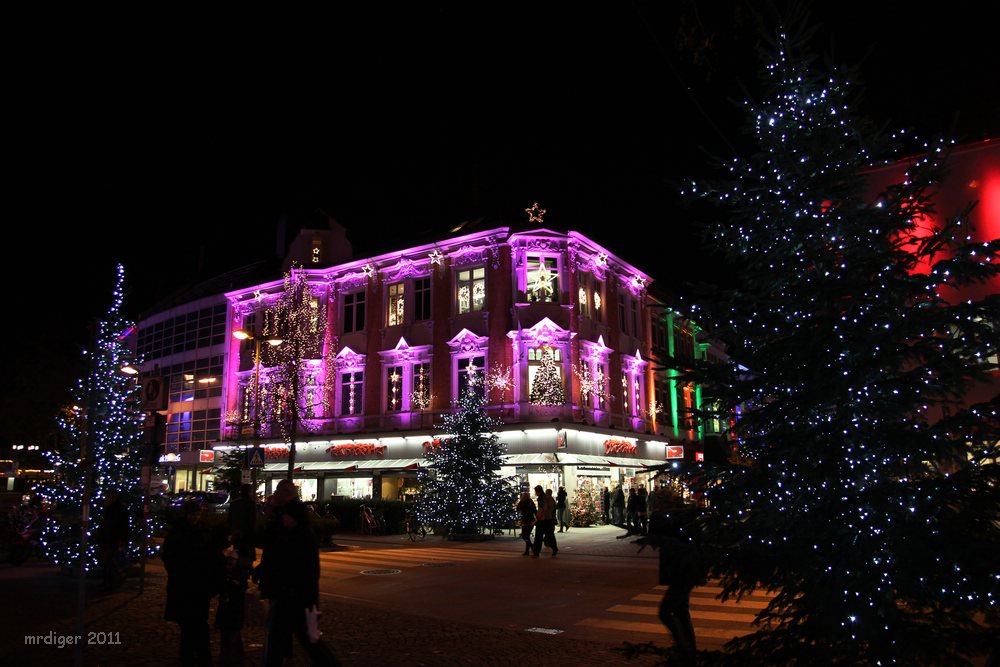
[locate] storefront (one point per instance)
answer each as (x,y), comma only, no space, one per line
(386,466)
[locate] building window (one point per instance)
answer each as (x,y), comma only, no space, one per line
(420,398)
(536,359)
(351,393)
(396,305)
(622,313)
(393,388)
(598,301)
(543,279)
(659,338)
(601,386)
(634,310)
(582,300)
(422,299)
(471,290)
(354,312)
(471,372)
(314,315)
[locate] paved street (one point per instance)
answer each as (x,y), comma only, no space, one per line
(429,603)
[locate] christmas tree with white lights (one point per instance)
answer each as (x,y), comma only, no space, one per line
(106,417)
(462,490)
(872,518)
(547,389)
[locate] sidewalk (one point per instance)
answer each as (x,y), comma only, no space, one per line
(40,602)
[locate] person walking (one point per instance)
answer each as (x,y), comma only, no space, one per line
(545,522)
(526,510)
(112,540)
(194,564)
(632,512)
(618,507)
(243,523)
(641,507)
(288,577)
(606,505)
(561,508)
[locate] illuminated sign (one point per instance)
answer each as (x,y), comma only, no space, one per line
(619,447)
(170,458)
(699,456)
(206,456)
(675,451)
(359,449)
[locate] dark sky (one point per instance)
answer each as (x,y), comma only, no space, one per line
(174,146)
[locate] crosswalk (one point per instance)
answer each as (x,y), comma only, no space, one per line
(714,622)
(339,565)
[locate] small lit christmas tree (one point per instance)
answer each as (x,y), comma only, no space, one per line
(462,491)
(547,387)
(107,415)
(584,507)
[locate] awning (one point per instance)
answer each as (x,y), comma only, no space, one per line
(334,466)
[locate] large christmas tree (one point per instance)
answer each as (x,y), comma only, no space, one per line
(872,518)
(462,491)
(106,417)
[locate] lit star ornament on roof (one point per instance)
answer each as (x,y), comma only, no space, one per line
(258,295)
(601,259)
(368,270)
(638,283)
(535,213)
(436,257)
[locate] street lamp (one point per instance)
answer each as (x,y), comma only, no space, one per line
(273,341)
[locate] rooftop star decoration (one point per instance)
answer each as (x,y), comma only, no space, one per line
(542,281)
(535,213)
(258,295)
(368,270)
(436,257)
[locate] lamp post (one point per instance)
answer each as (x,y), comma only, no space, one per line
(273,341)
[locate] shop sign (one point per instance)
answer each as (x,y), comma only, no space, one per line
(434,444)
(271,453)
(206,456)
(619,447)
(675,451)
(170,458)
(359,449)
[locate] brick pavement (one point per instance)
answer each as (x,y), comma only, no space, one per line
(38,600)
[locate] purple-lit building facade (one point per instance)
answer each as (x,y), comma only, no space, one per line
(399,335)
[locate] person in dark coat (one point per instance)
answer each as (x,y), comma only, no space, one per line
(112,539)
(545,522)
(632,512)
(641,507)
(242,523)
(618,507)
(194,563)
(606,504)
(526,510)
(288,576)
(561,509)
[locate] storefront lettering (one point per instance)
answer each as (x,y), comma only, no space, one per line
(276,453)
(359,449)
(618,447)
(431,445)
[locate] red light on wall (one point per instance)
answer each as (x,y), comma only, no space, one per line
(675,452)
(699,456)
(206,456)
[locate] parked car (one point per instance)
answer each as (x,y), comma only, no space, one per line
(216,502)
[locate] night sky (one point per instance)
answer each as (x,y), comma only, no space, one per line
(175,147)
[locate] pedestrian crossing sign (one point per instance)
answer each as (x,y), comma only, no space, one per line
(255,458)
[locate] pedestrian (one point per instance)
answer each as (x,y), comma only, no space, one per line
(526,510)
(561,508)
(194,563)
(606,504)
(641,507)
(632,512)
(243,523)
(545,522)
(683,566)
(618,507)
(288,575)
(112,540)
(231,612)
